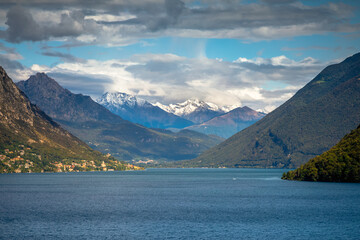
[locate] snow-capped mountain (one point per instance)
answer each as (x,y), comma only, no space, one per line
(122,100)
(141,111)
(193,114)
(195,110)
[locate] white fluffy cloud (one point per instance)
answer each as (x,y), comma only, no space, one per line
(169,78)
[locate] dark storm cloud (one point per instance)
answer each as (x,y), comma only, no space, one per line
(259,15)
(157,16)
(266,19)
(232,15)
(23,27)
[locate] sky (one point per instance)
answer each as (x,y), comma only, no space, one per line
(228,52)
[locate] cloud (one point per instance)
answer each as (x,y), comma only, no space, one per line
(123,22)
(3,13)
(9,61)
(63,56)
(169,78)
(23,27)
(279,61)
(88,84)
(9,64)
(278,1)
(9,53)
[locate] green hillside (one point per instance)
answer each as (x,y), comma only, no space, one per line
(308,124)
(30,141)
(340,164)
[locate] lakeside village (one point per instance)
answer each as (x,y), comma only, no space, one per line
(24,160)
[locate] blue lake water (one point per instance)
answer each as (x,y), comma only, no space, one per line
(176,204)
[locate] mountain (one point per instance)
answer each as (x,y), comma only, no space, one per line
(63,105)
(107,132)
(194,110)
(340,164)
(229,123)
(309,123)
(141,111)
(30,141)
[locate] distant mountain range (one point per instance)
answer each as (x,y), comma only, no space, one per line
(30,141)
(195,110)
(229,123)
(108,132)
(141,111)
(308,124)
(193,114)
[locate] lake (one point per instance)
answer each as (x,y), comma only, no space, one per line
(176,204)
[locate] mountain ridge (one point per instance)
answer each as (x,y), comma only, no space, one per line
(30,141)
(52,93)
(229,123)
(107,132)
(299,129)
(140,111)
(195,110)
(339,164)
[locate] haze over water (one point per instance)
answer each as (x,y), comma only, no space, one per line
(176,204)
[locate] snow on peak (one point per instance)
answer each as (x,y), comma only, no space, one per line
(162,106)
(121,99)
(189,106)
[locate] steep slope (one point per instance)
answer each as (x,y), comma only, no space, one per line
(340,164)
(311,122)
(140,111)
(193,110)
(105,131)
(229,123)
(31,142)
(61,104)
